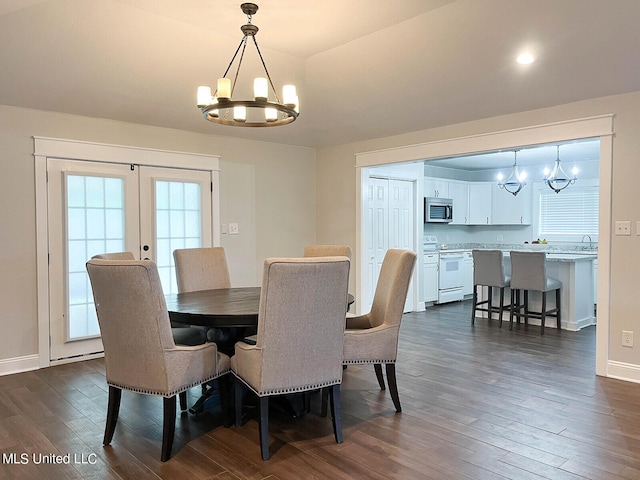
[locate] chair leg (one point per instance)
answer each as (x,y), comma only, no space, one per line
(475,303)
(168,427)
(115,394)
(501,304)
(490,302)
(558,302)
(393,386)
(378,369)
(183,400)
(336,412)
(238,401)
(264,427)
(325,399)
(543,314)
(526,307)
(511,309)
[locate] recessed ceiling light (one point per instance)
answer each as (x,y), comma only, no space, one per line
(526,58)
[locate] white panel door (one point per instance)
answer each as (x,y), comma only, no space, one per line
(401,221)
(100,207)
(378,234)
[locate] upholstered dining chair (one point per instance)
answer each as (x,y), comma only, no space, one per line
(373,337)
(327,251)
(488,271)
(203,269)
(529,273)
(140,354)
(300,336)
(182,334)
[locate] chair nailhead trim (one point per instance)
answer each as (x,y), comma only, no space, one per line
(171,393)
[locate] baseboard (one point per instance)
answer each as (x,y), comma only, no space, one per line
(19,364)
(623,371)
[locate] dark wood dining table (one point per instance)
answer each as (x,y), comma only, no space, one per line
(220,308)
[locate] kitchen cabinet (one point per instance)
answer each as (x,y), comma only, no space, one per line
(480,203)
(467,269)
(436,187)
(459,192)
(430,277)
(507,209)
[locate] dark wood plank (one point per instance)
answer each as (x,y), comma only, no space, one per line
(479,402)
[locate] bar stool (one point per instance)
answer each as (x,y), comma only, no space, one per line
(488,271)
(529,273)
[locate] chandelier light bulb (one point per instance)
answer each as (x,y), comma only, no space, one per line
(289,96)
(240,114)
(270,114)
(224,88)
(204,96)
(260,88)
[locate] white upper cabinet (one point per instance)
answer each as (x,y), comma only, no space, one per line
(436,187)
(508,209)
(480,211)
(459,192)
(482,203)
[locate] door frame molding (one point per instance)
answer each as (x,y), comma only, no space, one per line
(46,147)
(601,126)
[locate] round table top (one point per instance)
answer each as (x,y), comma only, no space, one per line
(222,307)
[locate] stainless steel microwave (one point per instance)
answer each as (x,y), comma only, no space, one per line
(438,210)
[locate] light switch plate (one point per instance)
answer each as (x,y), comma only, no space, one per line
(224,229)
(623,227)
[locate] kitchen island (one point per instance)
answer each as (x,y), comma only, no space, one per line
(575,271)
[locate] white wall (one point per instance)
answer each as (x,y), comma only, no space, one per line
(337,180)
(268,189)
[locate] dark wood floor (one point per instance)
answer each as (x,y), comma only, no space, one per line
(479,402)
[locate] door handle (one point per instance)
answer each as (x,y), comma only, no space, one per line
(145,248)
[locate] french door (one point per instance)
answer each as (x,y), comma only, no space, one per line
(101,207)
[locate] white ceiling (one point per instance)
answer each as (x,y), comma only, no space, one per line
(570,153)
(364,68)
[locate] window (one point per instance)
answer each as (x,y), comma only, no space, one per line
(569,215)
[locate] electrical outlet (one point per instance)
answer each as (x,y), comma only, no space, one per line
(233,229)
(499,238)
(627,338)
(623,227)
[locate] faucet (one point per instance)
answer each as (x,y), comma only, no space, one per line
(589,237)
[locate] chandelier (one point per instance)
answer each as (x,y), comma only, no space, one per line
(222,108)
(557,179)
(514,183)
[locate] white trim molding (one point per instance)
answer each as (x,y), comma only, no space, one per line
(623,371)
(9,366)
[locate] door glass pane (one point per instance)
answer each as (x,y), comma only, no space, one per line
(178,220)
(95,224)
